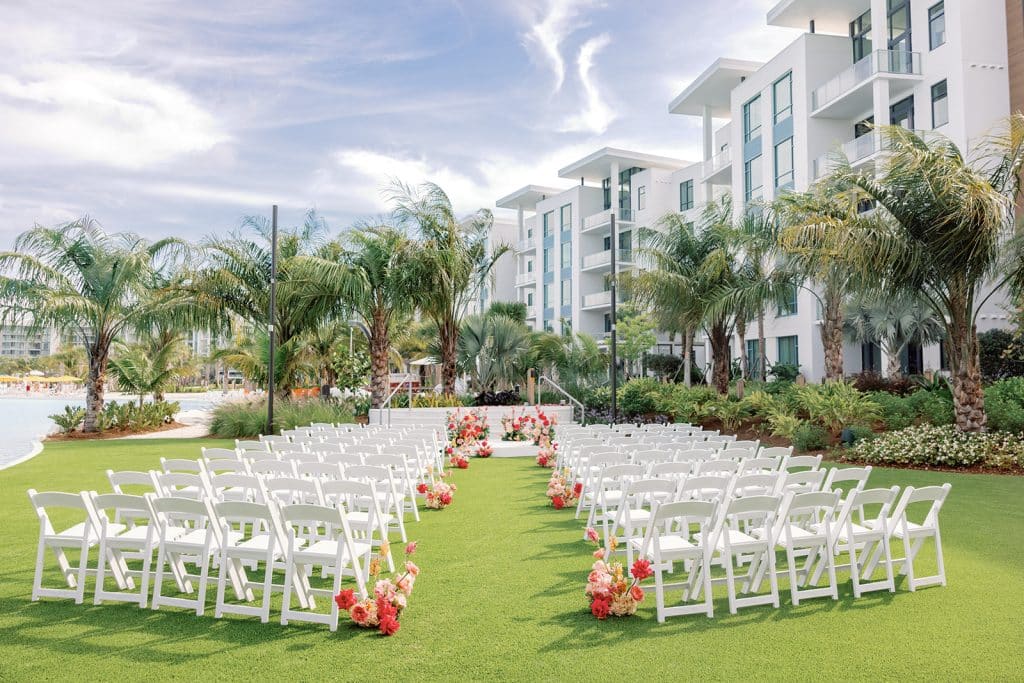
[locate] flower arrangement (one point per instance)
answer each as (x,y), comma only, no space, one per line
(561,493)
(543,429)
(484,449)
(548,455)
(390,597)
(465,429)
(459,459)
(610,590)
(438,496)
(539,428)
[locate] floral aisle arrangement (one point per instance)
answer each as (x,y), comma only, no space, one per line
(390,596)
(459,459)
(539,428)
(543,429)
(548,456)
(610,590)
(561,492)
(438,495)
(466,429)
(484,449)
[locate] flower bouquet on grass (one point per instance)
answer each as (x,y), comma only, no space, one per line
(561,493)
(484,449)
(609,589)
(543,429)
(465,429)
(438,496)
(548,456)
(390,597)
(459,459)
(517,427)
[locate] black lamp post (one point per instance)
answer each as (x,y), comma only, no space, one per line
(271,332)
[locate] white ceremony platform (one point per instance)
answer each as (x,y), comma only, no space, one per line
(435,416)
(513,449)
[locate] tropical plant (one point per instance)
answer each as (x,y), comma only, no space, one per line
(999,355)
(148,367)
(634,336)
(250,355)
(836,404)
(490,350)
(892,324)
(247,420)
(70,420)
(940,228)
(574,359)
(509,309)
(731,413)
(452,262)
(92,285)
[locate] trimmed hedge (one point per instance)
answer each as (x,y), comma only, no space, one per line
(248,420)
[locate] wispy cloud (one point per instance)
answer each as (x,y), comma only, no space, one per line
(596,115)
(551,24)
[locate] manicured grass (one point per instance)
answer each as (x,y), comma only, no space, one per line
(500,597)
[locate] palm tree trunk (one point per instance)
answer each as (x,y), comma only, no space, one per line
(719,340)
(687,363)
(379,347)
(448,332)
(99,355)
(763,367)
(893,369)
(968,395)
(832,334)
(741,332)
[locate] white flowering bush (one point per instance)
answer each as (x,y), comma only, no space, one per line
(941,446)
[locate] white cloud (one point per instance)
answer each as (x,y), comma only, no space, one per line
(72,112)
(596,115)
(549,29)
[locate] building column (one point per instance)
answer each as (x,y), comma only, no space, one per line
(522,223)
(708,133)
(880,94)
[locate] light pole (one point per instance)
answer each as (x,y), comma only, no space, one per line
(271,333)
(614,368)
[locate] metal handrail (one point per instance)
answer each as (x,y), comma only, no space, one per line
(387,401)
(563,392)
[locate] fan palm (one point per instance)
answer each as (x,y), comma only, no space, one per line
(490,350)
(892,324)
(939,230)
(451,264)
(86,282)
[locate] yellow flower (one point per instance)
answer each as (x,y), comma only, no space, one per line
(385,548)
(613,543)
(374,566)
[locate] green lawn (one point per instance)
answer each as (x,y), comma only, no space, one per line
(500,597)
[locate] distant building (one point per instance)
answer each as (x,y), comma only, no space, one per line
(20,341)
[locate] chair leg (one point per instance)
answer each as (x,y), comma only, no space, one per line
(730,582)
(855,568)
(941,565)
(101,565)
(286,601)
(218,610)
(37,581)
(83,563)
(268,585)
(659,593)
(794,589)
(159,580)
(706,563)
(204,574)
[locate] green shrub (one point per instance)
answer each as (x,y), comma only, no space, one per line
(785,372)
(932,407)
(247,420)
(597,398)
(639,396)
(835,405)
(683,404)
(70,420)
(1004,404)
(894,411)
(998,355)
(783,424)
(810,437)
(861,433)
(943,446)
(730,412)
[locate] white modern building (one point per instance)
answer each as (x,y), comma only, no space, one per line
(500,285)
(21,341)
(767,128)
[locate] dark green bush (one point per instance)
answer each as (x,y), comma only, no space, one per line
(247,420)
(896,412)
(663,364)
(998,361)
(810,437)
(638,396)
(932,407)
(1004,404)
(785,372)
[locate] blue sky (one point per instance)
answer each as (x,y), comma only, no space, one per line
(180,118)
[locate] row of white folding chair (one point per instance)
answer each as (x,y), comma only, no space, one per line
(236,533)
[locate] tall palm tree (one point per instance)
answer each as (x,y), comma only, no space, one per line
(235,281)
(371,277)
(148,367)
(892,324)
(491,348)
(940,230)
(452,262)
(86,282)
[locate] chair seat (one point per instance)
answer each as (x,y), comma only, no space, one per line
(73,534)
(671,547)
(196,539)
(326,551)
(361,518)
(133,537)
(738,540)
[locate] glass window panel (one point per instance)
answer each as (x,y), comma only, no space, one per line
(936,25)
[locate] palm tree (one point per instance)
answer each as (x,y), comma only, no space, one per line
(235,281)
(250,355)
(371,277)
(452,262)
(574,359)
(940,230)
(86,282)
(148,367)
(490,350)
(892,324)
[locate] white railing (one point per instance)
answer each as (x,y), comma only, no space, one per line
(855,150)
(718,162)
(598,299)
(530,224)
(525,279)
(528,244)
(898,62)
(604,258)
(605,217)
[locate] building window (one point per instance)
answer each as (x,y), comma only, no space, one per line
(899,25)
(902,113)
(754,357)
(549,266)
(641,198)
(789,305)
(567,292)
(943,356)
(547,295)
(936,25)
(566,217)
(607,323)
(529,299)
(789,350)
(625,245)
(784,163)
(870,357)
(566,327)
(549,218)
(940,105)
(752,119)
(566,254)
(782,98)
(529,265)
(860,35)
(686,195)
(752,178)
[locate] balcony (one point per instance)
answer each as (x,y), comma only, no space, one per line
(598,300)
(527,245)
(849,92)
(718,169)
(526,280)
(857,151)
(603,259)
(604,219)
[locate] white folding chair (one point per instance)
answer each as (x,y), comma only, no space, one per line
(719,468)
(324,471)
(805,481)
(867,545)
(775,452)
(179,485)
(635,511)
(680,535)
(293,491)
(248,530)
(710,488)
(213,466)
(118,480)
(760,466)
(272,468)
(383,482)
(807,531)
(674,471)
(745,535)
(219,453)
(799,462)
(119,542)
(761,484)
(80,536)
(914,534)
(858,476)
(180,465)
(251,446)
(360,502)
(404,480)
(608,493)
(750,445)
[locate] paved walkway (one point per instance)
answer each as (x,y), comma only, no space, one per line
(197,425)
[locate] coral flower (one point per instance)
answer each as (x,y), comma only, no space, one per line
(421,488)
(345,599)
(600,608)
(411,548)
(359,613)
(641,569)
(637,593)
(558,502)
(592,535)
(389,625)
(446,499)
(599,553)
(412,569)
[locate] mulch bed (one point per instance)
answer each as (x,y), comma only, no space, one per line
(112,433)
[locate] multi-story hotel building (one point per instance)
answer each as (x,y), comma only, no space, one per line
(940,65)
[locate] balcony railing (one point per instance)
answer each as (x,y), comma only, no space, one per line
(855,150)
(528,244)
(897,62)
(718,162)
(598,299)
(525,279)
(604,218)
(604,258)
